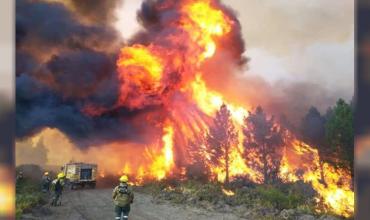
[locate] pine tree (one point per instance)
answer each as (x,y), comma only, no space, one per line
(313,128)
(221,137)
(198,168)
(339,134)
(264,141)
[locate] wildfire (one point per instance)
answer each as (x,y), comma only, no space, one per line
(139,57)
(102,175)
(170,188)
(205,23)
(164,163)
(138,67)
(210,101)
(228,192)
(333,185)
(157,163)
(145,71)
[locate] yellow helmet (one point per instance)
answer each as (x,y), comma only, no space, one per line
(46,173)
(123,179)
(61,175)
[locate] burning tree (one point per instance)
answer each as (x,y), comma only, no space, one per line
(313,128)
(198,168)
(159,97)
(262,144)
(221,137)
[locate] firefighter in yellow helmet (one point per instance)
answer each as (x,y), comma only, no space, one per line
(57,186)
(122,198)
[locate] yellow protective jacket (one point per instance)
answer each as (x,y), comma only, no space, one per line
(122,195)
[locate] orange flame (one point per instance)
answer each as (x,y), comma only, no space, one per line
(228,192)
(164,162)
(205,23)
(147,66)
(145,71)
(333,185)
(139,67)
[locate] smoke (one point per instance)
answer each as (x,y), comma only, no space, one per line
(96,11)
(291,99)
(279,98)
(83,69)
(65,67)
(67,79)
(157,17)
(29,153)
(39,107)
(44,28)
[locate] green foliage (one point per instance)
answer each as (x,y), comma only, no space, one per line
(339,133)
(276,198)
(263,138)
(28,195)
(281,196)
(153,188)
(221,137)
(209,192)
(246,196)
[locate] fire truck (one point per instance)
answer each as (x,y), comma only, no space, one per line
(80,175)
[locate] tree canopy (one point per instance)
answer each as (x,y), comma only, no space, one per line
(339,134)
(263,140)
(221,137)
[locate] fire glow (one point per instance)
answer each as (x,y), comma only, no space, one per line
(169,72)
(147,69)
(228,192)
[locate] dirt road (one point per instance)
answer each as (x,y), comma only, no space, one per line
(97,205)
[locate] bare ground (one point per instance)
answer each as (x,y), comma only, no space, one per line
(97,205)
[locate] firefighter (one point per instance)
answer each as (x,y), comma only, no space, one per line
(57,186)
(19,176)
(122,197)
(19,179)
(46,182)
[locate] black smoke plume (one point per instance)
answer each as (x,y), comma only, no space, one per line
(65,71)
(63,67)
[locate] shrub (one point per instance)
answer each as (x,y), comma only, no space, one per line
(28,195)
(278,199)
(209,192)
(245,196)
(153,188)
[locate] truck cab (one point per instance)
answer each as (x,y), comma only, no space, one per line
(80,175)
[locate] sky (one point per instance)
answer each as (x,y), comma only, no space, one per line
(288,41)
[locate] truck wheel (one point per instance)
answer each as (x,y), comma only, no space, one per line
(93,185)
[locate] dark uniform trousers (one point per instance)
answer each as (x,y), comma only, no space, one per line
(122,212)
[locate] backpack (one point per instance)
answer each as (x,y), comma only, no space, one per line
(56,186)
(123,197)
(123,189)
